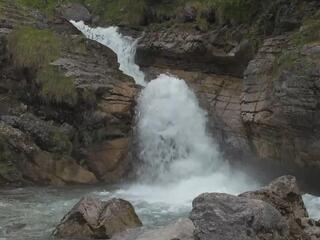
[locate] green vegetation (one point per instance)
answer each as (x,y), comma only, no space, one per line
(55,87)
(309,32)
(61,142)
(134,11)
(292,59)
(33,48)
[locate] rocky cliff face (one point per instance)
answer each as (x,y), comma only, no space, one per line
(262,100)
(66,110)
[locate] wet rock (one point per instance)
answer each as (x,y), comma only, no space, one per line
(96,219)
(226,217)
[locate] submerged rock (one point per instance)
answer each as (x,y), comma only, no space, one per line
(226,217)
(182,229)
(96,219)
(179,230)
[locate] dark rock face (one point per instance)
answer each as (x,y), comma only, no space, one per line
(194,51)
(95,219)
(226,217)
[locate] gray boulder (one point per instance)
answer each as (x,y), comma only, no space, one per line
(226,217)
(74,11)
(283,193)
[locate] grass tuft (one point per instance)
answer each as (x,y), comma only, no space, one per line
(33,48)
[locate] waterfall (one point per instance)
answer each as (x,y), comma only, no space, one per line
(123,46)
(172,132)
(179,158)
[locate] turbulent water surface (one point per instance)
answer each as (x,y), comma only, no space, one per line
(179,159)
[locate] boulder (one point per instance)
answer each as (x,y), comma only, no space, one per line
(226,217)
(74,11)
(96,219)
(283,193)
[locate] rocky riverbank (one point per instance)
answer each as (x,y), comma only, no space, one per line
(276,211)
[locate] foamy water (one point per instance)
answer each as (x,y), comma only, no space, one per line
(180,159)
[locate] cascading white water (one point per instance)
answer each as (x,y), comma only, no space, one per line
(123,46)
(176,151)
(172,132)
(180,159)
